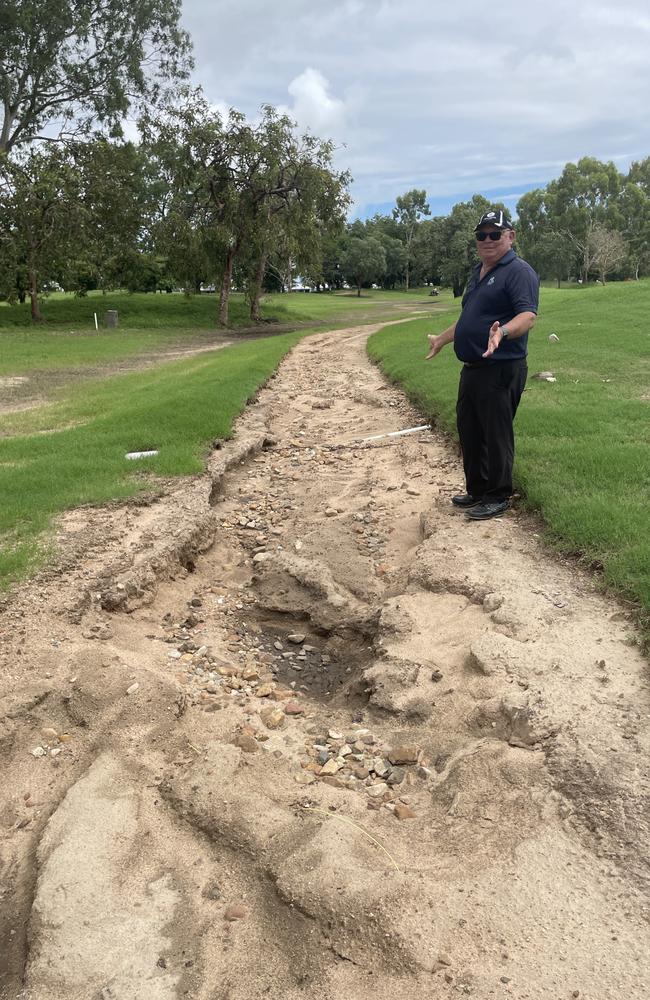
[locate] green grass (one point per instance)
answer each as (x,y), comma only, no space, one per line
(137,311)
(583,442)
(72,453)
(68,339)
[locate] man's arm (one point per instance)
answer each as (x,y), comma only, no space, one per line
(436,344)
(515,327)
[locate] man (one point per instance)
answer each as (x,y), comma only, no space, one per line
(490,337)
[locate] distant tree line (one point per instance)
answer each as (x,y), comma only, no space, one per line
(211,200)
(591,223)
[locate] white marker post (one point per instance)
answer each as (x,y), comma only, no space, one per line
(96,323)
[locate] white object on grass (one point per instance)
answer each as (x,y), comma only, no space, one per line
(96,324)
(392,434)
(140,454)
(554,339)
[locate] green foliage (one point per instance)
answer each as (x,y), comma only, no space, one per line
(592,220)
(582,442)
(409,211)
(363,260)
(81,62)
(242,194)
(458,240)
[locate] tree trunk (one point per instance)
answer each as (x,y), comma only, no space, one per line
(225,288)
(358,289)
(33,295)
(407,276)
(256,315)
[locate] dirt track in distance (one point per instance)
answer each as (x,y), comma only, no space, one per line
(298,729)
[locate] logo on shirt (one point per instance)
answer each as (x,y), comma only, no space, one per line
(491,281)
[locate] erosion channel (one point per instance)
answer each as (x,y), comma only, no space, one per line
(296,729)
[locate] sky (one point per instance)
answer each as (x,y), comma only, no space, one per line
(457,98)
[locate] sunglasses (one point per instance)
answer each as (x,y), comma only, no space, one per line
(488,236)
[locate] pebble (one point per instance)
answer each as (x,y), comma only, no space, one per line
(376,791)
(331,767)
(133,688)
(405,812)
(293,708)
(273,718)
(264,690)
(38,752)
(212,891)
(304,778)
(236,911)
(49,734)
(403,755)
(296,637)
(246,743)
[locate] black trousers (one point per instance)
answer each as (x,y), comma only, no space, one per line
(488,397)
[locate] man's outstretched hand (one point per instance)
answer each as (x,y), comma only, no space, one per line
(434,347)
(495,339)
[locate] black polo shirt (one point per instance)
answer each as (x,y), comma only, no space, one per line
(511,287)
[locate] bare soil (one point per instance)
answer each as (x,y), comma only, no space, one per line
(297,728)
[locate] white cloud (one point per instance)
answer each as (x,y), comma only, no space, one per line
(313,107)
(455,98)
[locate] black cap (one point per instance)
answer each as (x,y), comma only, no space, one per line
(494,218)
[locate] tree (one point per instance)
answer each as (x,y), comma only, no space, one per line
(427,251)
(548,250)
(634,204)
(410,208)
(586,195)
(396,260)
(244,190)
(459,243)
(363,260)
(42,217)
(608,250)
(116,195)
(305,205)
(70,65)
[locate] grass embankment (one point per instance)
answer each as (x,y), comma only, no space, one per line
(72,452)
(583,442)
(67,338)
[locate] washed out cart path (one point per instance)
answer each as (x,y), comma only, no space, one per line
(297,729)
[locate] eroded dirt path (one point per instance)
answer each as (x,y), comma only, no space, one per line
(300,730)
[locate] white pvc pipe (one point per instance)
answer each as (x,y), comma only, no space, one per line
(96,324)
(392,434)
(140,454)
